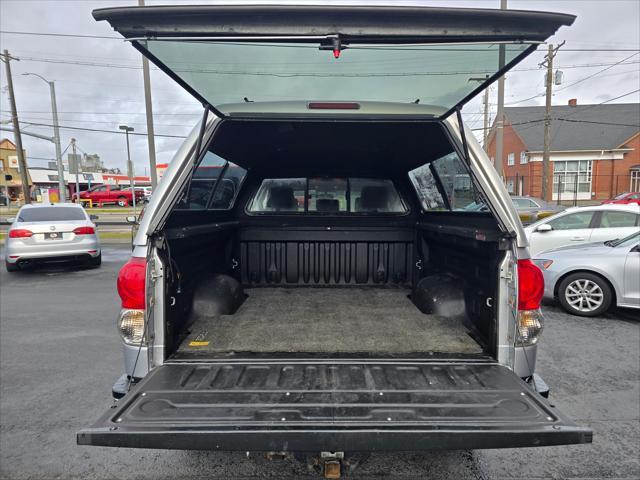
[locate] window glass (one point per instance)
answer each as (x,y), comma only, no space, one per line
(99,189)
(627,241)
(280,195)
(511,159)
(51,214)
(454,179)
(368,195)
(327,195)
(227,189)
(572,221)
(204,180)
(225,72)
(618,219)
(521,202)
(523,158)
(426,186)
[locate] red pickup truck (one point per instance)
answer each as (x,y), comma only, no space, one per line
(103,194)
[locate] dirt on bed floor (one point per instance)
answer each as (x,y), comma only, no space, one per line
(329,320)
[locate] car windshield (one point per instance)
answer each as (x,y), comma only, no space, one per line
(235,72)
(626,241)
(50,214)
(621,196)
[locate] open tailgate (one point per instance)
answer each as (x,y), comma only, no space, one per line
(332,406)
(398,54)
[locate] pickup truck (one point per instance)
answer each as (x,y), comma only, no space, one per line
(110,194)
(306,277)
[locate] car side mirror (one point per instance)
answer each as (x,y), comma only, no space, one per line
(132,219)
(11,219)
(545,227)
(93,217)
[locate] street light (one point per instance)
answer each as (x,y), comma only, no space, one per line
(62,189)
(128,129)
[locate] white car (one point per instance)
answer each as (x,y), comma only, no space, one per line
(582,225)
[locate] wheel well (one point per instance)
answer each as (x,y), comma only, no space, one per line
(583,270)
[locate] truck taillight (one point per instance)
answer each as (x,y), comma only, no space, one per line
(20,233)
(530,292)
(530,285)
(131,288)
(131,282)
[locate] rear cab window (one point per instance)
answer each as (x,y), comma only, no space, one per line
(324,195)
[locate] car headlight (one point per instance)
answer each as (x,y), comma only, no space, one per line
(131,326)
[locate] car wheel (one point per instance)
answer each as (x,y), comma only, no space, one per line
(584,294)
(122,202)
(11,267)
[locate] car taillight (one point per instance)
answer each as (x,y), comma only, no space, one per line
(530,292)
(20,233)
(131,282)
(84,231)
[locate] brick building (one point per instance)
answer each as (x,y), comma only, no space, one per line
(10,180)
(595,151)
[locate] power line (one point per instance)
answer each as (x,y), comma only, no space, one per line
(46,34)
(52,34)
(303,74)
(581,110)
(577,81)
(84,129)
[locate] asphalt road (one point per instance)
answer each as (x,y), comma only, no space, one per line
(60,354)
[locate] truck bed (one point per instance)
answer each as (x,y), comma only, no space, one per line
(329,320)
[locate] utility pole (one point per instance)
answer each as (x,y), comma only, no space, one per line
(149,109)
(128,129)
(75,159)
(24,174)
(548,62)
(485,131)
(56,136)
(500,114)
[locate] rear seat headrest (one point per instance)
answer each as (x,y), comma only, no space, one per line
(282,198)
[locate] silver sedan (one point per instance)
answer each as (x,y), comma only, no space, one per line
(41,233)
(587,279)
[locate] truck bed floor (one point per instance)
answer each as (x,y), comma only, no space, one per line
(329,320)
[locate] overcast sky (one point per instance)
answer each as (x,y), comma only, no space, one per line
(110,93)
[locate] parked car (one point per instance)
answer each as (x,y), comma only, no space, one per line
(579,225)
(110,194)
(532,209)
(625,199)
(51,233)
(147,191)
(588,279)
(422,325)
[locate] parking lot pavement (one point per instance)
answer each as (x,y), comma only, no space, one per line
(60,354)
